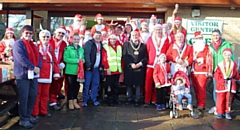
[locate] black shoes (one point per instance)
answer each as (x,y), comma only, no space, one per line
(55,107)
(46,115)
(147,104)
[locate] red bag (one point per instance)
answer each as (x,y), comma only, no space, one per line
(80,72)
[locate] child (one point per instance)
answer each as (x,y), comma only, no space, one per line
(225,72)
(161,75)
(181,89)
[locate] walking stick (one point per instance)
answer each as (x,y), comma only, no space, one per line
(230,97)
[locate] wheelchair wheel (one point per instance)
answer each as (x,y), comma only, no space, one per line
(171,114)
(176,114)
(194,114)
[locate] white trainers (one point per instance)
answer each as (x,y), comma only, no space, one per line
(212,110)
(180,107)
(189,106)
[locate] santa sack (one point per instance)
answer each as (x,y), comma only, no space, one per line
(80,72)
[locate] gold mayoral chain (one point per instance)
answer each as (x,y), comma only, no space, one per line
(135,49)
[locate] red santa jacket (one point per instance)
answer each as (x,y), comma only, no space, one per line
(160,75)
(2,47)
(58,47)
(222,78)
(202,61)
(173,53)
(49,64)
(153,50)
(97,27)
(105,61)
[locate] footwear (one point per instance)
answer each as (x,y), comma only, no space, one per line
(33,120)
(215,113)
(25,124)
(76,104)
(154,103)
(212,110)
(163,107)
(136,104)
(46,115)
(70,105)
(84,104)
(61,96)
(96,103)
(55,107)
(219,116)
(200,108)
(189,106)
(228,116)
(147,104)
(180,107)
(159,107)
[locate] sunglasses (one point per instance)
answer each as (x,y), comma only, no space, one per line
(30,33)
(45,36)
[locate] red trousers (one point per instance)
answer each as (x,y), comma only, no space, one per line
(150,92)
(199,82)
(55,89)
(41,104)
(223,102)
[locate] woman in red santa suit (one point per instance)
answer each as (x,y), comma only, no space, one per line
(180,54)
(201,68)
(144,33)
(99,26)
(6,44)
(58,45)
(155,45)
(49,69)
(226,73)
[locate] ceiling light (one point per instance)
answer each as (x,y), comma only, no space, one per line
(98,5)
(163,9)
(145,5)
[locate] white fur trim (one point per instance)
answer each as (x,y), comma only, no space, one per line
(200,60)
(56,75)
(62,65)
(10,32)
(177,21)
(157,84)
(61,30)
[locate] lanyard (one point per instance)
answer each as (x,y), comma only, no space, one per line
(228,70)
(45,51)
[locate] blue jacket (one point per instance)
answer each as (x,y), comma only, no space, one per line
(21,62)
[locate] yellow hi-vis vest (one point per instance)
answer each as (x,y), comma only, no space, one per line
(114,58)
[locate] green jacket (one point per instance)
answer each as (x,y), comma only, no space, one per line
(71,57)
(217,55)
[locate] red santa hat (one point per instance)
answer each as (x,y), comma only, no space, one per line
(61,29)
(198,34)
(227,50)
(112,36)
(142,22)
(78,17)
(158,26)
(98,16)
(9,30)
(153,17)
(87,32)
(177,19)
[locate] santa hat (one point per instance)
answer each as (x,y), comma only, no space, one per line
(161,55)
(133,20)
(177,19)
(153,16)
(68,29)
(78,17)
(9,30)
(158,26)
(198,34)
(61,29)
(227,50)
(143,22)
(112,36)
(98,16)
(87,32)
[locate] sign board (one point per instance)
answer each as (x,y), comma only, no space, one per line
(206,26)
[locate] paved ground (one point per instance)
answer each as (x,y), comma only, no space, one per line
(124,117)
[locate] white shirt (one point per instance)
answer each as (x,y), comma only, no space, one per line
(98,57)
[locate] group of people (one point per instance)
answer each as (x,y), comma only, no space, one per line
(144,59)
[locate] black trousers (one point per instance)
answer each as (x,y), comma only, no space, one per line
(73,86)
(112,87)
(161,95)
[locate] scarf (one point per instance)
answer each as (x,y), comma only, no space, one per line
(31,50)
(217,45)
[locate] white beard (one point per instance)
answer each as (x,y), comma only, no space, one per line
(76,26)
(199,45)
(9,42)
(134,27)
(145,36)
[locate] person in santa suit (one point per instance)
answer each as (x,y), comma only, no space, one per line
(48,71)
(162,80)
(155,46)
(165,33)
(144,33)
(127,32)
(134,25)
(226,73)
(87,36)
(180,54)
(152,23)
(58,45)
(6,44)
(201,68)
(99,26)
(76,27)
(105,34)
(135,60)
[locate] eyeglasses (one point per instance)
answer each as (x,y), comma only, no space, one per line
(45,36)
(61,33)
(30,33)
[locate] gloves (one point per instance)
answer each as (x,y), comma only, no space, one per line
(61,66)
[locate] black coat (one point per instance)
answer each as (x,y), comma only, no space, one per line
(134,76)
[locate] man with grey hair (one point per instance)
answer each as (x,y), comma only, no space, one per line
(135,60)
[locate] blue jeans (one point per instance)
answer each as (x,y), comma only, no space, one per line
(214,91)
(27,94)
(93,78)
(188,96)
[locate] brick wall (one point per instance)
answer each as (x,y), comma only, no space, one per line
(231,22)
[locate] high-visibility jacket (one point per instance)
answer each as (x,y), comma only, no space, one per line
(114,58)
